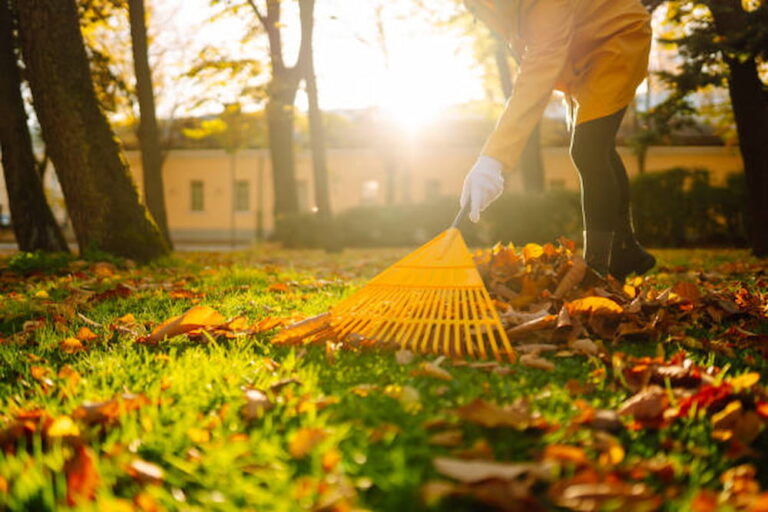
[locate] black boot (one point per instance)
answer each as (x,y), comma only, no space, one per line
(597,250)
(628,255)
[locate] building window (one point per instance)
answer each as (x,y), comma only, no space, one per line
(370,191)
(242,196)
(196,196)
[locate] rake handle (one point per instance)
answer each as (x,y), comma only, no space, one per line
(460,216)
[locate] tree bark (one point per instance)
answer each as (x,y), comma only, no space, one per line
(750,110)
(316,126)
(149,135)
(531,164)
(101,197)
(33,222)
(282,89)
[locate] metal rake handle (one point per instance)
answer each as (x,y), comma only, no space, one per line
(460,216)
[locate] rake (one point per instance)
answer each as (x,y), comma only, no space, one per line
(432,300)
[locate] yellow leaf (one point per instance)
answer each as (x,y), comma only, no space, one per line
(745,381)
(198,435)
(532,251)
(304,440)
(593,305)
(42,294)
(63,426)
(127,319)
(71,345)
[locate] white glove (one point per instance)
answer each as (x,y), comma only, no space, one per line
(482,186)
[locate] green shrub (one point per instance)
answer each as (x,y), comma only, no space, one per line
(680,207)
(39,261)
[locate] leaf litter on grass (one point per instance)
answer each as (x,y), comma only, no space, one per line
(582,462)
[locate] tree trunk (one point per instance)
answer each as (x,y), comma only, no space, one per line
(316,127)
(531,164)
(750,110)
(280,126)
(149,135)
(33,222)
(101,197)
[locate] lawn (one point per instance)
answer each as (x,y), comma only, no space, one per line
(98,414)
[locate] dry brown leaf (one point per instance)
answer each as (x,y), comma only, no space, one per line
(539,324)
(473,471)
(256,403)
(449,438)
(534,361)
(194,318)
(648,404)
(572,278)
(585,346)
(404,356)
(431,370)
(491,415)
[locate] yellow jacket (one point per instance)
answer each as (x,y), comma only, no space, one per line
(595,51)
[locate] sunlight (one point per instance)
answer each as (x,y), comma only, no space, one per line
(410,108)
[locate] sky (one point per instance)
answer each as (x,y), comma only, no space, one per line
(427,70)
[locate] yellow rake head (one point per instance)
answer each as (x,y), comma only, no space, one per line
(433,300)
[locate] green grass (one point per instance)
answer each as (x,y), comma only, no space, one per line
(376,418)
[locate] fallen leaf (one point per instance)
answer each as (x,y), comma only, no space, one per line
(534,361)
(304,440)
(491,415)
(595,305)
(85,334)
(473,471)
(63,426)
(71,345)
(585,346)
(448,438)
(278,287)
(648,404)
(146,472)
(82,476)
(404,356)
(256,403)
(565,453)
(194,318)
(428,369)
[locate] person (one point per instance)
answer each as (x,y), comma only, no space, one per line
(596,52)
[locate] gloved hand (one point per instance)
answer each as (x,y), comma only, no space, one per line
(482,186)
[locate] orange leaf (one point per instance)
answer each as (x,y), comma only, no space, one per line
(566,453)
(593,305)
(85,334)
(71,345)
(82,477)
(304,440)
(278,288)
(126,319)
(194,318)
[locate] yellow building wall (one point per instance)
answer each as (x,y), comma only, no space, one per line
(360,176)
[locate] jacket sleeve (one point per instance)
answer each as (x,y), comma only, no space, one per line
(546,27)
